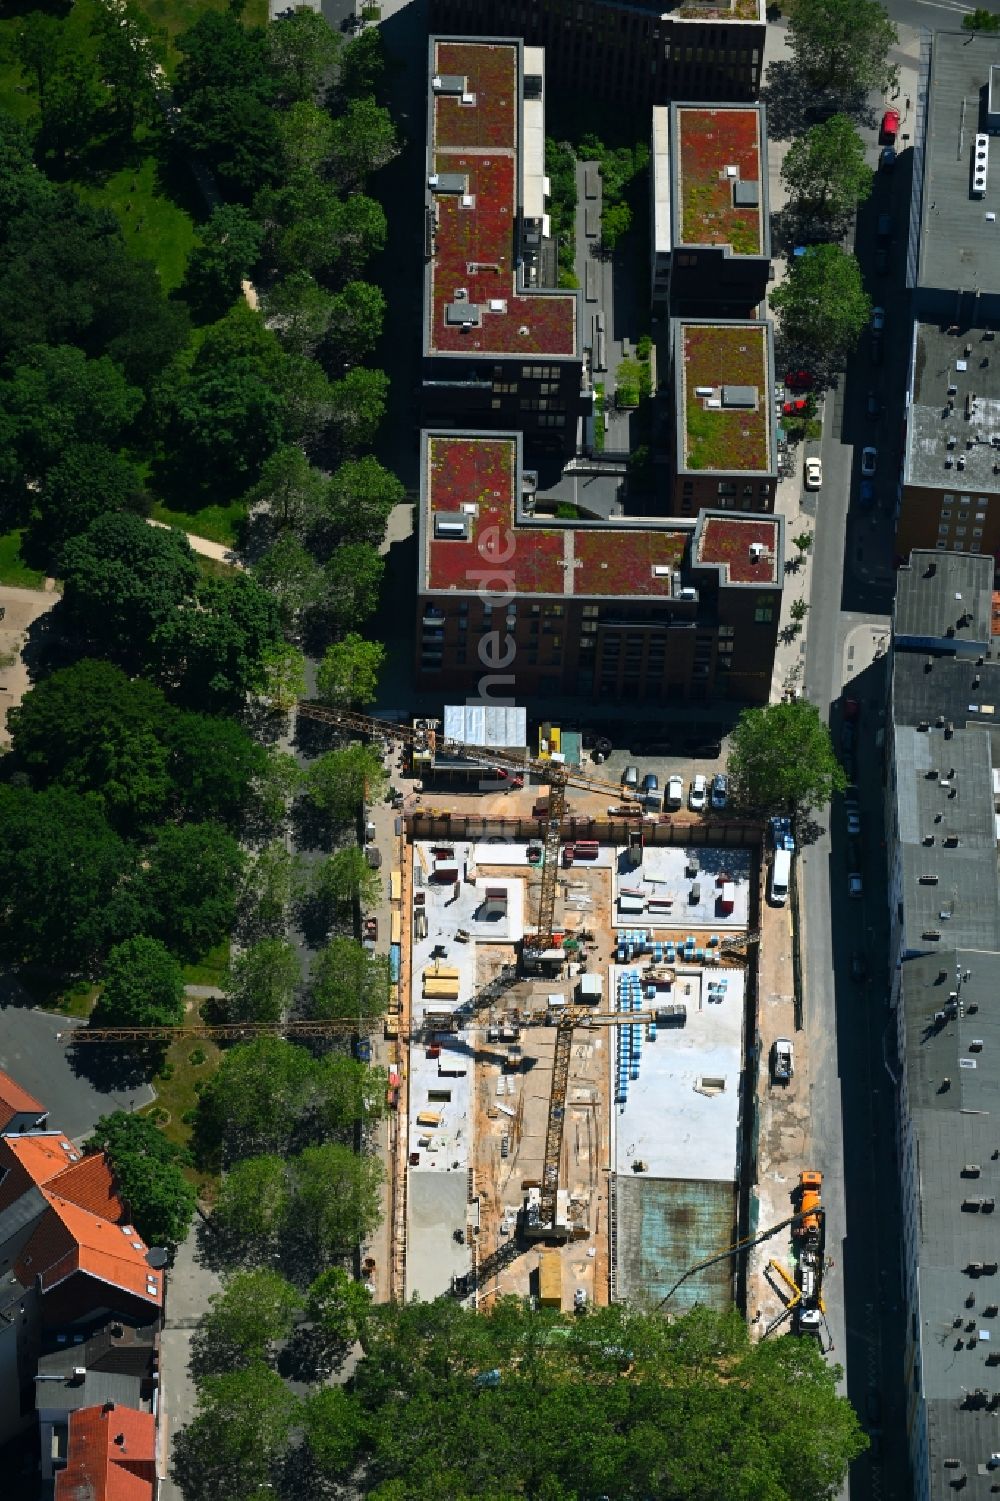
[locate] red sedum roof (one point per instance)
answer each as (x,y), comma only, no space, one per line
(727,540)
(500,554)
(474,242)
(710,141)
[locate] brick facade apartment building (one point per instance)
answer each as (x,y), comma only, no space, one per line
(710,221)
(501,346)
(638,610)
(629,52)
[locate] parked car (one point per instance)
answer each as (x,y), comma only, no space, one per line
(630,777)
(795,407)
(850,708)
(782,1060)
(798,380)
(675,792)
(883,229)
(881,261)
(848,735)
(876,348)
(855,887)
(853,821)
(720,790)
(878,319)
(866,495)
(859,967)
(887,158)
(869,461)
(814,473)
(873,406)
(650,782)
(889,129)
(698,794)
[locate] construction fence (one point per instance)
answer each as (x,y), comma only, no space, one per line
(431,823)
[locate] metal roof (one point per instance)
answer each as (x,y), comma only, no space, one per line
(927,689)
(953,409)
(489,725)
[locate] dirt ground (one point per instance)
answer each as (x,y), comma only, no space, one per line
(22,607)
(785,1144)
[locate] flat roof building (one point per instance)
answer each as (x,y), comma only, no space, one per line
(952,261)
(949,495)
(711,221)
(949,1091)
(634,53)
(638,609)
(501,343)
(944,604)
(725,442)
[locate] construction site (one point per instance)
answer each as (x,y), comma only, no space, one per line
(577,1053)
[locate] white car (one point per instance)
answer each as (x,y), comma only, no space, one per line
(698,795)
(878,319)
(854,885)
(869,462)
(814,473)
(675,792)
(853,822)
(782,1060)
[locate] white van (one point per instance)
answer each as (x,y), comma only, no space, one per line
(781,872)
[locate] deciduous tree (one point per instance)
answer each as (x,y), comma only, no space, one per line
(357,314)
(290,491)
(244,1322)
(339,782)
(62,864)
(253,1203)
(57,397)
(240,1433)
(86,481)
(339,1308)
(212,653)
(143,986)
(347,981)
(188,886)
(364,139)
(225,89)
(358,406)
(353,576)
(260,983)
(224,255)
(362,67)
(781,759)
(825,172)
(346,879)
(360,499)
(335,1194)
(301,52)
(822,302)
(127,56)
(843,45)
(348,673)
(124,579)
(300,311)
(147,1167)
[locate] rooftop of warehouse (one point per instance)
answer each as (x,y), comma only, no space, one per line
(723,396)
(476,479)
(953,689)
(721,174)
(474,304)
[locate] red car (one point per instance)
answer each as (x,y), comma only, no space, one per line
(798,405)
(798,380)
(890,127)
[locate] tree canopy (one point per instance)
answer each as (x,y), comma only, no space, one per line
(822,302)
(260,982)
(781,759)
(348,673)
(45,917)
(188,886)
(347,981)
(143,986)
(825,171)
(159,1199)
(617,1404)
(844,45)
(123,579)
(254,1310)
(240,1433)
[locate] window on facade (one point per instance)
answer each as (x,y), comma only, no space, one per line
(960,531)
(944,529)
(973,546)
(977,531)
(762,614)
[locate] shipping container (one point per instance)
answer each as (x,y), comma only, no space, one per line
(550,1279)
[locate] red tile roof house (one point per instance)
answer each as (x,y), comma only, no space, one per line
(19,1111)
(70,1263)
(112,1456)
(500,348)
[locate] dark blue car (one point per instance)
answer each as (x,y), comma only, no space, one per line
(866,495)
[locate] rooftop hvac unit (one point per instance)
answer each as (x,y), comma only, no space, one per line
(756,551)
(980,165)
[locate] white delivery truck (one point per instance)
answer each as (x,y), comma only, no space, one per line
(781,874)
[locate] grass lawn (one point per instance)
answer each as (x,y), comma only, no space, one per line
(210,968)
(155,227)
(217,523)
(13,568)
(178,1096)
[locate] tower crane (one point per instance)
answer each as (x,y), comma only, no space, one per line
(557,774)
(225,1032)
